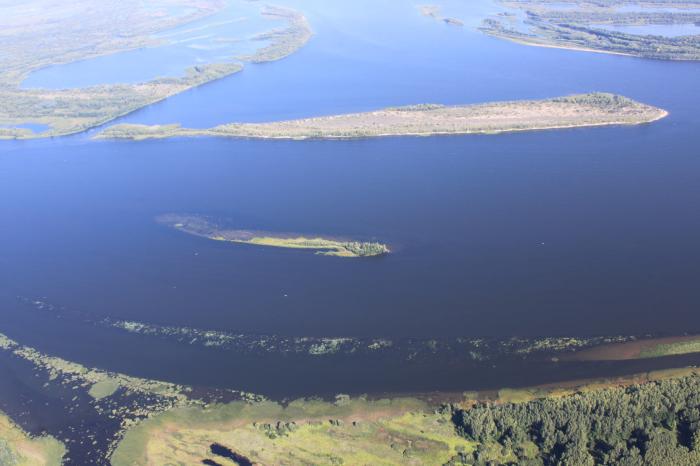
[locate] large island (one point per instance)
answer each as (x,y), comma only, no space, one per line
(595,109)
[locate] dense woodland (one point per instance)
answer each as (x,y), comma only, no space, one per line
(656,423)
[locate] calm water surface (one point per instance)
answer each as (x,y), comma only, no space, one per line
(576,232)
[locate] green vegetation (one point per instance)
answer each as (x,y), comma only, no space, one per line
(349,431)
(594,109)
(619,421)
(326,247)
(79,30)
(104,388)
(580,27)
(200,226)
(651,419)
(68,111)
(669,349)
(19,449)
(99,383)
(117,400)
(655,423)
(284,41)
(638,349)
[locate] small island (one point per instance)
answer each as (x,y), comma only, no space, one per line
(200,226)
(433,11)
(583,110)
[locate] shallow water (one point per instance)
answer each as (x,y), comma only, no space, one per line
(574,232)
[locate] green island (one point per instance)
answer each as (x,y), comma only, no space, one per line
(78,31)
(583,110)
(200,226)
(17,448)
(581,26)
(640,349)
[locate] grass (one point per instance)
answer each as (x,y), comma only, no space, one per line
(639,349)
(104,388)
(350,431)
(19,449)
(570,387)
(670,349)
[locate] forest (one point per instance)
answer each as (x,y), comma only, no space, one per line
(656,423)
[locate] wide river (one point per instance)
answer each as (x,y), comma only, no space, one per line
(575,232)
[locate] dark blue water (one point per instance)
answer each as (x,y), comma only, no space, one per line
(575,232)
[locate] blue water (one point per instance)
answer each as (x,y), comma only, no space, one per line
(218,38)
(574,232)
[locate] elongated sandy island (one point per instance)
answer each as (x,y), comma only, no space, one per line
(201,226)
(581,110)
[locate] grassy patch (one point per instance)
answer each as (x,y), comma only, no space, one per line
(670,349)
(19,449)
(350,431)
(104,388)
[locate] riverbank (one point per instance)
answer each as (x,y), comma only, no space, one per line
(141,421)
(18,448)
(386,431)
(583,110)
